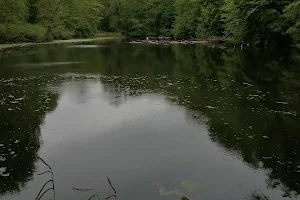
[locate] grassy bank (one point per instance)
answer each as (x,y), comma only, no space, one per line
(23,33)
(5,47)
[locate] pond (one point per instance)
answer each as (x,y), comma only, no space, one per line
(161,122)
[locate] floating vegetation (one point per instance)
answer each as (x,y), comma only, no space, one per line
(257,195)
(2,159)
(210,107)
(280,102)
(242,114)
(164,192)
(3,172)
(293,113)
(248,84)
(189,185)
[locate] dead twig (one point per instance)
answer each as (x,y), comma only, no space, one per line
(114,195)
(95,195)
(111,196)
(45,193)
(41,193)
(88,190)
(45,163)
(43,188)
(45,173)
(95,192)
(111,186)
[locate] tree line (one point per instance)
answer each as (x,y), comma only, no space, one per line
(257,22)
(45,20)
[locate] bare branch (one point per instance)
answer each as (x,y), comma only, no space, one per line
(85,190)
(111,196)
(44,173)
(95,195)
(52,180)
(45,163)
(88,190)
(111,186)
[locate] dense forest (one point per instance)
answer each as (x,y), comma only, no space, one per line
(253,22)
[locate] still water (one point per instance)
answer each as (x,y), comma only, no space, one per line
(160,121)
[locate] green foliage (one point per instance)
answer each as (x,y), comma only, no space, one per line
(184,198)
(49,13)
(111,15)
(70,18)
(139,18)
(210,23)
(201,18)
(32,11)
(62,33)
(23,33)
(186,19)
(13,10)
(254,21)
(292,15)
(109,34)
(82,17)
(165,18)
(257,22)
(234,25)
(128,17)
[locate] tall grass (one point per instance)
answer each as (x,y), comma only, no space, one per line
(109,34)
(51,187)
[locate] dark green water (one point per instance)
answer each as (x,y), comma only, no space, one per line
(160,121)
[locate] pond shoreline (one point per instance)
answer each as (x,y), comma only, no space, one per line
(25,46)
(211,42)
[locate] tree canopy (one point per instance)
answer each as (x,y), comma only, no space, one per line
(62,19)
(257,22)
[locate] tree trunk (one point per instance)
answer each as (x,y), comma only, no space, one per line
(52,22)
(6,28)
(49,34)
(6,21)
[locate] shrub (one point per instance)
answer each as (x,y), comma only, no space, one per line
(62,33)
(23,33)
(85,31)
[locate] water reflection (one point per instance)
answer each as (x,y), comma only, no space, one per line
(243,120)
(247,103)
(23,107)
